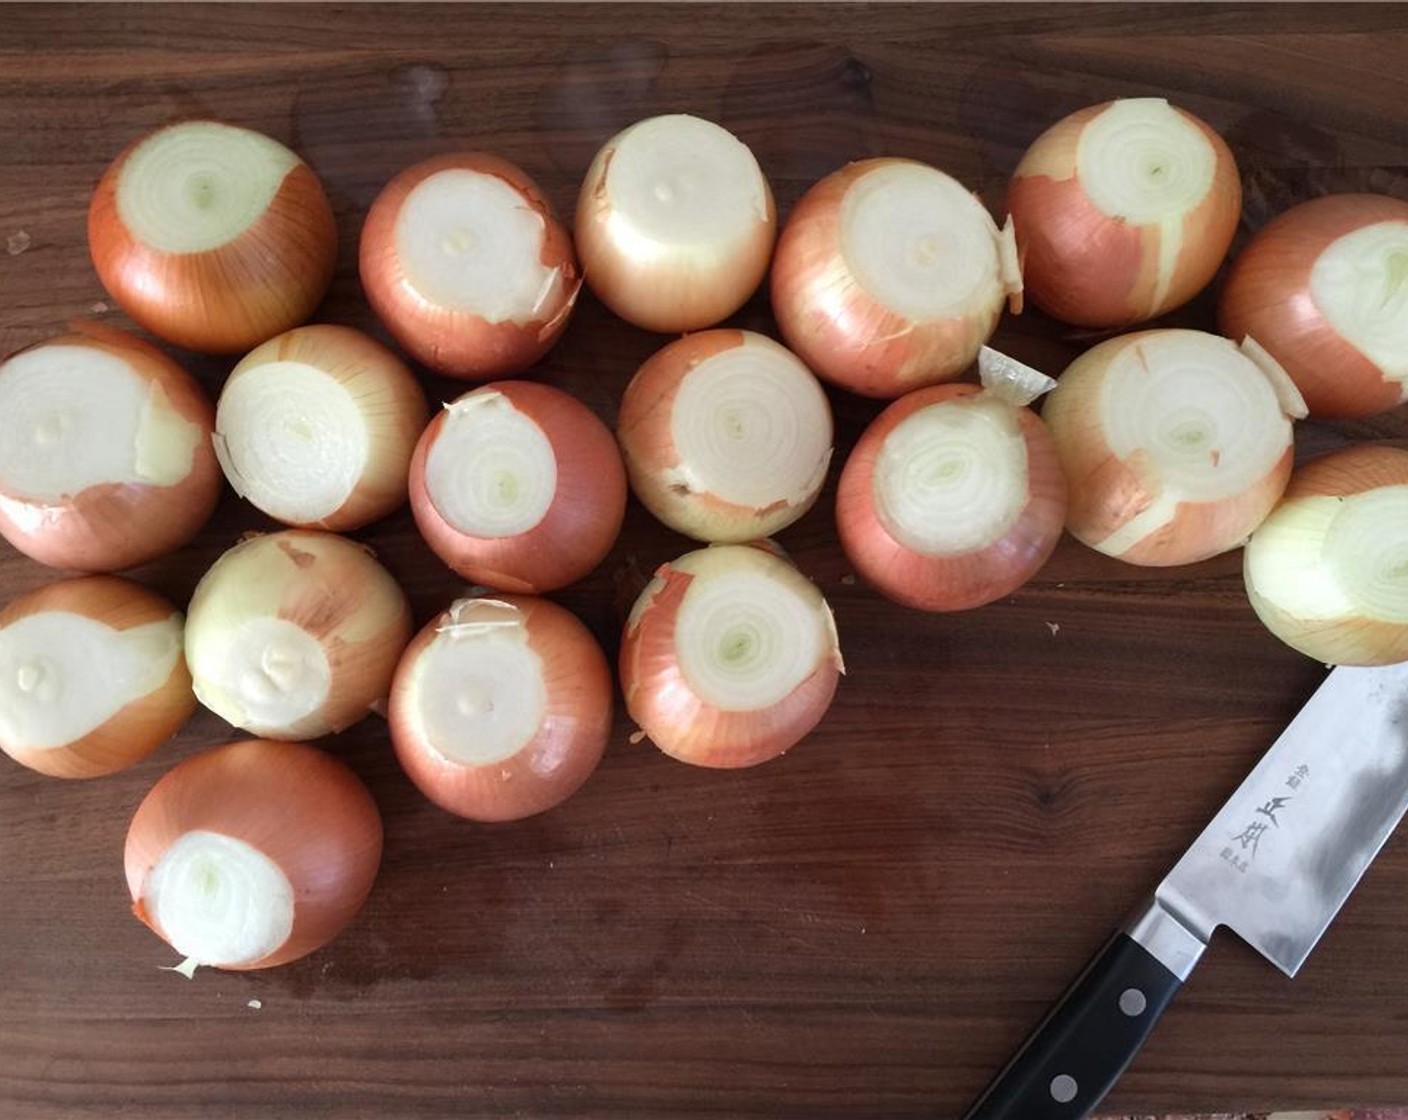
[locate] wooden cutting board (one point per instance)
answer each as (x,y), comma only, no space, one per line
(863,928)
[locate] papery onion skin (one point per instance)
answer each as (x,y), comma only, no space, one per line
(1351,637)
(1267,295)
(844,334)
(352,357)
(1089,268)
(297,805)
(140,726)
(269,278)
(644,429)
(960,581)
(654,291)
(107,528)
(580,525)
(326,585)
(561,755)
(460,343)
(1106,491)
(660,698)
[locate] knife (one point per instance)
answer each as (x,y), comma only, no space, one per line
(1274,866)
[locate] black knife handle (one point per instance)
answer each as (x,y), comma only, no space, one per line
(1070,1061)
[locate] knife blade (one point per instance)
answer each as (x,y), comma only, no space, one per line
(1274,866)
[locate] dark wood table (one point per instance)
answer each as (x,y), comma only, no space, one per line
(863,928)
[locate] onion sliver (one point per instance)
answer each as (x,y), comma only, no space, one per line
(890,275)
(1175,444)
(105,456)
(92,676)
(294,634)
(316,428)
(675,224)
(1327,571)
(1124,211)
(253,854)
(953,497)
(463,260)
(518,486)
(1324,288)
(501,708)
(726,436)
(211,236)
(730,657)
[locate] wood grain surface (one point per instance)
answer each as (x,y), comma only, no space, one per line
(864,928)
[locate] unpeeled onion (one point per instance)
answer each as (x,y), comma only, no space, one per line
(1124,211)
(1324,288)
(253,854)
(1327,572)
(105,456)
(316,428)
(501,708)
(92,676)
(211,236)
(954,495)
(518,486)
(295,634)
(890,275)
(726,436)
(1175,444)
(730,657)
(675,224)
(465,263)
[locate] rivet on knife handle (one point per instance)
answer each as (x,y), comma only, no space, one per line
(1070,1061)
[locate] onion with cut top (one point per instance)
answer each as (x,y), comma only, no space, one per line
(316,428)
(1124,211)
(92,676)
(890,275)
(675,224)
(105,456)
(726,436)
(1175,444)
(465,263)
(518,486)
(1324,288)
(954,496)
(730,657)
(253,854)
(501,708)
(1327,571)
(211,236)
(294,634)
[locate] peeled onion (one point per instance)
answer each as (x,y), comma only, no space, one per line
(253,854)
(675,224)
(726,436)
(1327,572)
(465,263)
(729,657)
(211,236)
(501,708)
(518,486)
(1175,444)
(1124,211)
(1324,288)
(105,457)
(890,275)
(295,634)
(316,428)
(954,496)
(92,676)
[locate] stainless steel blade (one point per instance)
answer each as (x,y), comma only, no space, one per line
(1283,854)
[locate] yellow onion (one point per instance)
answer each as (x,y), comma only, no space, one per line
(92,676)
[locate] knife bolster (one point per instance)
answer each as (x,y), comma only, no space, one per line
(1166,939)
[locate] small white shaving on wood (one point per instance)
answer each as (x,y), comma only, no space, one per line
(1054,627)
(255,1003)
(17,243)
